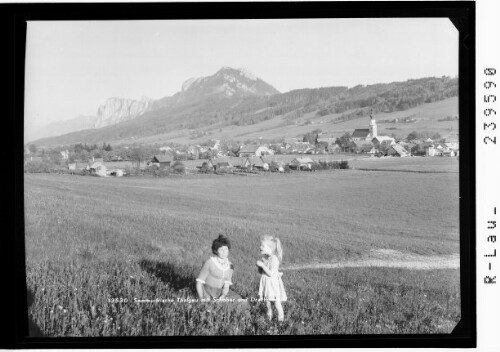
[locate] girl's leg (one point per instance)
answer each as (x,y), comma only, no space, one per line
(269,310)
(279,308)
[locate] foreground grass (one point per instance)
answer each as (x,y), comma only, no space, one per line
(73,300)
(90,239)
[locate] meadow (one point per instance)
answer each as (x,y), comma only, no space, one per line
(90,240)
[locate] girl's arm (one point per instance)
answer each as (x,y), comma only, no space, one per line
(269,271)
(266,270)
(199,289)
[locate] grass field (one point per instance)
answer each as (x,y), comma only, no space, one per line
(416,164)
(89,239)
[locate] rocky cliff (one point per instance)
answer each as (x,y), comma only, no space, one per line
(116,110)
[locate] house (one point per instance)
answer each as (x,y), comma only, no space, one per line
(98,168)
(164,150)
(327,140)
(222,164)
(78,165)
(430,150)
(241,163)
(65,154)
(448,153)
(361,146)
(301,163)
(254,150)
(397,150)
(301,147)
(259,163)
(288,142)
(376,141)
(193,152)
(162,161)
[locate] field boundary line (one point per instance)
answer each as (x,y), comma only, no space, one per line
(415,171)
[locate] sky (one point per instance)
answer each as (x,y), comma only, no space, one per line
(72,67)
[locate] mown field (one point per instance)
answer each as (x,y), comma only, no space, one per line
(414,164)
(90,239)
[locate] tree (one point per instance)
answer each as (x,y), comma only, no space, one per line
(32,148)
(344,141)
(138,154)
(311,138)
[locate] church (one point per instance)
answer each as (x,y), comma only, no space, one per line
(366,134)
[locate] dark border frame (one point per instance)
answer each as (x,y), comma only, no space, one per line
(462,15)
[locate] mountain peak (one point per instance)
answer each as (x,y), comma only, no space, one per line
(226,82)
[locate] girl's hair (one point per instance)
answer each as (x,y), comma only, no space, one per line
(220,241)
(275,241)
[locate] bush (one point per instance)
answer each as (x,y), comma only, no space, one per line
(155,171)
(132,171)
(178,167)
(328,165)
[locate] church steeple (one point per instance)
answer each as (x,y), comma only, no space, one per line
(373,125)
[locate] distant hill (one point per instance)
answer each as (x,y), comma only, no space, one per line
(58,128)
(234,98)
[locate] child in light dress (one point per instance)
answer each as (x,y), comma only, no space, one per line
(271,287)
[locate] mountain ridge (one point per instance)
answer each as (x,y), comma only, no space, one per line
(190,110)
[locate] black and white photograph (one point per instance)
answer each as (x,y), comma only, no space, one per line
(236,177)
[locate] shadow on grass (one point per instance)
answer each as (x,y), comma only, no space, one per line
(179,278)
(33,329)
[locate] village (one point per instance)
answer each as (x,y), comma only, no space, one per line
(312,152)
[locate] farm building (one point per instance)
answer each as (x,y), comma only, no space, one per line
(448,153)
(254,150)
(361,146)
(162,161)
(397,150)
(259,163)
(376,141)
(302,163)
(78,165)
(242,163)
(98,168)
(300,147)
(327,140)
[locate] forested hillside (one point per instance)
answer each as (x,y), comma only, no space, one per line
(222,112)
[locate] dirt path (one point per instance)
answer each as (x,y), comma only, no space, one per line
(390,258)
